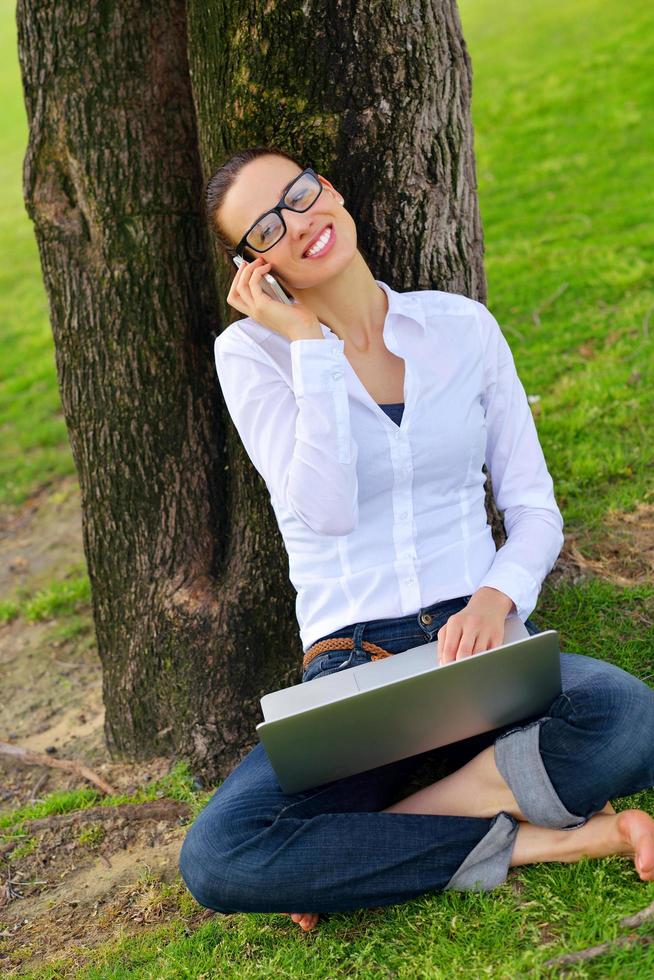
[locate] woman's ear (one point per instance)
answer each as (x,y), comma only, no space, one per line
(328,184)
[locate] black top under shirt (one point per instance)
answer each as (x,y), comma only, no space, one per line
(394,410)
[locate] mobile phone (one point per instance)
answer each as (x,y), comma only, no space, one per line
(269,284)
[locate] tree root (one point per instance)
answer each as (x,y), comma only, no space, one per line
(629,922)
(41,759)
(151,810)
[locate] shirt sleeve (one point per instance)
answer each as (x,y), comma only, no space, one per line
(298,438)
(522,485)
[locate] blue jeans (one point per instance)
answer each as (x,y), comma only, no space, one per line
(254,848)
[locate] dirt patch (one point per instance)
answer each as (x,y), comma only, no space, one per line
(52,690)
(51,686)
(85,884)
(623,553)
(70,887)
(42,538)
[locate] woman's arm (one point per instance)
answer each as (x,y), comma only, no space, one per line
(523,489)
(522,485)
(297,438)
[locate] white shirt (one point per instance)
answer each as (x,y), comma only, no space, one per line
(380,520)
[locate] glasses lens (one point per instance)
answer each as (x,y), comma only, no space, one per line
(266,232)
(299,197)
(303,192)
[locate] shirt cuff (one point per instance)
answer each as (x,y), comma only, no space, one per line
(317,365)
(515,582)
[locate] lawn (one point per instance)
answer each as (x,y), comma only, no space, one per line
(563,105)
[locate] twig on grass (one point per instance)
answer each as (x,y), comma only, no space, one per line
(535,313)
(631,921)
(41,759)
(593,951)
(37,786)
(8,893)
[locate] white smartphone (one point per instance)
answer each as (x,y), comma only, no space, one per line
(269,284)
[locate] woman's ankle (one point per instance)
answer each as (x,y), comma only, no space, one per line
(598,837)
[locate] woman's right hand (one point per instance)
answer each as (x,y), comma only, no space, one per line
(292,321)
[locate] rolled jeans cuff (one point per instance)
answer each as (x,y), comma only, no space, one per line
(487,864)
(519,762)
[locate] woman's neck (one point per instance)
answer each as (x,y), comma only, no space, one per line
(351,304)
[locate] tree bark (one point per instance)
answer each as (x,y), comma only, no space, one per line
(193,608)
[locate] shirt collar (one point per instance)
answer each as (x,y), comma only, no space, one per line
(404,304)
(399,304)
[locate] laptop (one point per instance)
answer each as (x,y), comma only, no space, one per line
(378,712)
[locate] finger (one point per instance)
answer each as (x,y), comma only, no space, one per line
(489,641)
(496,640)
(241,286)
(255,280)
(467,645)
(236,283)
(454,630)
(247,269)
(248,288)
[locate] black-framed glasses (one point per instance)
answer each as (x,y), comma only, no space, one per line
(270,227)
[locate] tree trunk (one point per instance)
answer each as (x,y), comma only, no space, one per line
(193,608)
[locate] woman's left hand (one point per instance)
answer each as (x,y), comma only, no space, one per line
(475,629)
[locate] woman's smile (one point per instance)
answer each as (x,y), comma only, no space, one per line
(324,242)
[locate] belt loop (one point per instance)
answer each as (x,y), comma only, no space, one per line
(357,637)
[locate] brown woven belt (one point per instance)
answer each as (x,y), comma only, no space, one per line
(342,643)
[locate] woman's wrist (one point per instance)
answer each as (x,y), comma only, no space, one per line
(311,331)
(493,598)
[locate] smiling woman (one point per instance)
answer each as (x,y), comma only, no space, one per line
(385,526)
(246,219)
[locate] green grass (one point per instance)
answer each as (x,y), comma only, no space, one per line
(562,110)
(60,598)
(452,935)
(600,620)
(34,447)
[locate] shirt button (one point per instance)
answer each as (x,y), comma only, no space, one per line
(403,515)
(336,375)
(398,434)
(408,579)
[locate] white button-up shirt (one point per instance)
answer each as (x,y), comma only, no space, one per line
(380,520)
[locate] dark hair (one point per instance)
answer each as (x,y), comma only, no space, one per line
(220,182)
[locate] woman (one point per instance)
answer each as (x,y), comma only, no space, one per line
(369,414)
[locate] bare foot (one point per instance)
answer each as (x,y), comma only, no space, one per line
(636,828)
(305,920)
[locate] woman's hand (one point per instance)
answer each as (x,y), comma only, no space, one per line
(475,629)
(292,321)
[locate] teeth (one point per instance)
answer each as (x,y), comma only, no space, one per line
(320,244)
